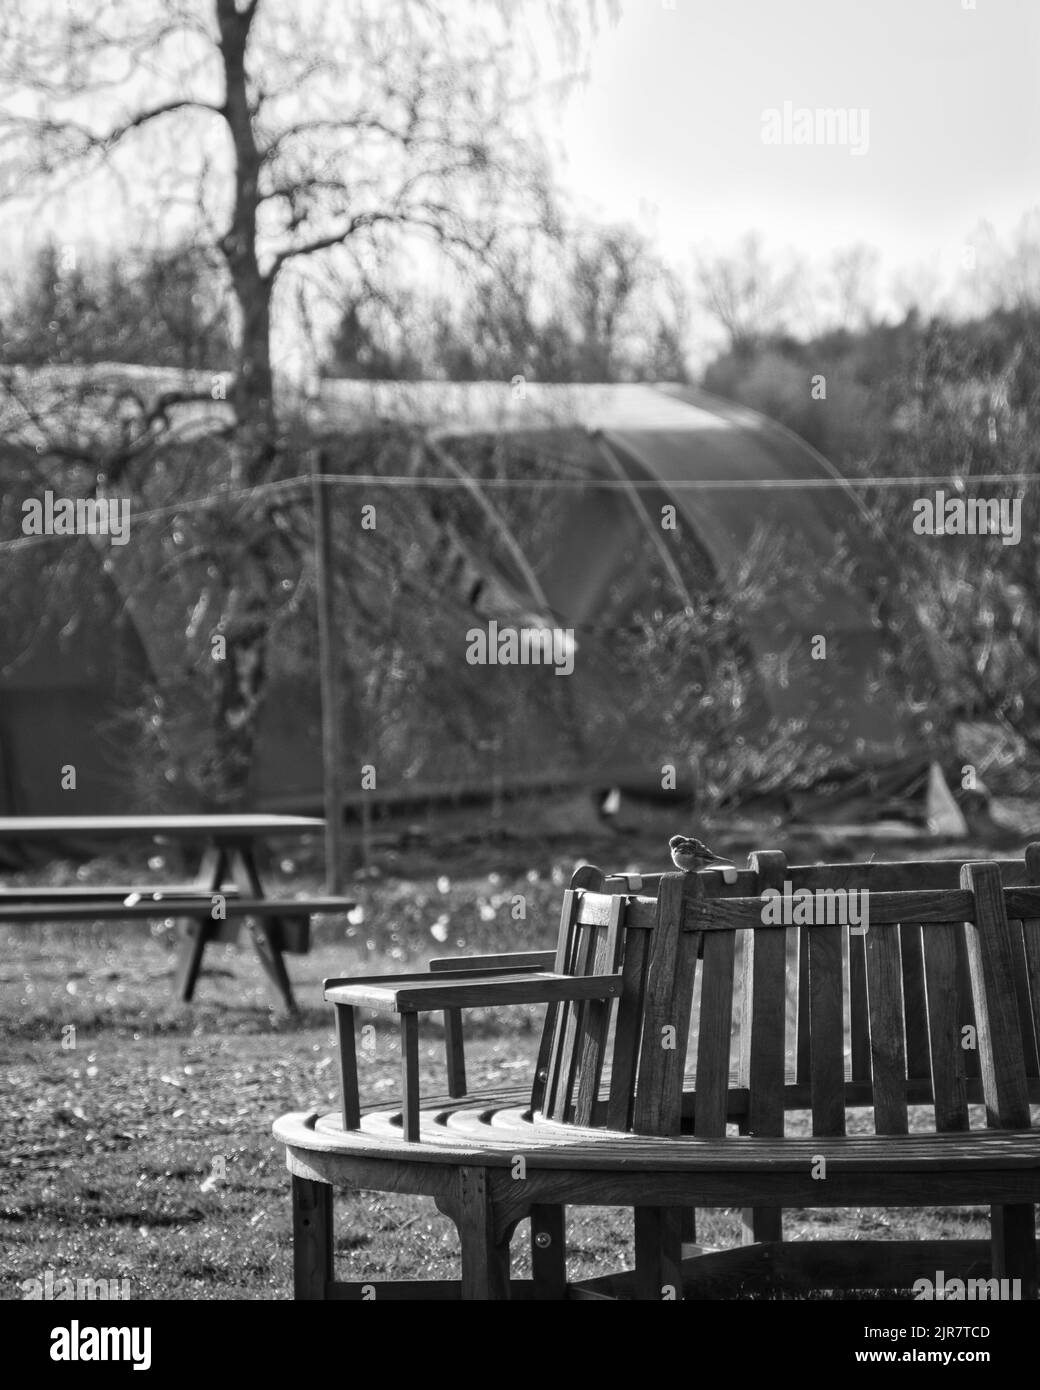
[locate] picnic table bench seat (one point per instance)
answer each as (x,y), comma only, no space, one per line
(100,892)
(277,924)
(610,1119)
(70,909)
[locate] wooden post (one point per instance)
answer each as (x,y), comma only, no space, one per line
(331,745)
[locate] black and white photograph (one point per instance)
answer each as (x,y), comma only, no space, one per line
(519,672)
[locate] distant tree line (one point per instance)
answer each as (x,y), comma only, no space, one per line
(595,306)
(161,308)
(602,307)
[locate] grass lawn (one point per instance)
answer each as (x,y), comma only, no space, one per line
(138,1130)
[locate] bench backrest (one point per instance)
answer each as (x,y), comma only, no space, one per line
(770,870)
(980,925)
(601,933)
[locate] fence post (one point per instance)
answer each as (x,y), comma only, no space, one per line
(328,653)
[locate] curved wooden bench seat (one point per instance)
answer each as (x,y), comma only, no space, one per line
(494,1135)
(466,1161)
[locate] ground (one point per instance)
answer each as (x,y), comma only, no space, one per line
(138,1130)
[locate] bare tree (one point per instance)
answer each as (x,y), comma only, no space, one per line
(749,298)
(591,304)
(853,272)
(307,130)
(300,132)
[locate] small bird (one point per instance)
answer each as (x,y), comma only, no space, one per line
(690,855)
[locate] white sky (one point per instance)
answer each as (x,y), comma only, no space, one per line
(668,131)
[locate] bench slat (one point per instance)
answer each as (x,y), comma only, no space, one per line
(886,909)
(627,1030)
(802,989)
(915,1009)
(543,1086)
(763,1036)
(966,1007)
(943,988)
(996,1003)
(567,1054)
(591,936)
(669,996)
(1031,942)
(568,954)
(859,1020)
(714,1032)
(826,1031)
(763,1022)
(887,1050)
(596,1021)
(1031,952)
(1022,992)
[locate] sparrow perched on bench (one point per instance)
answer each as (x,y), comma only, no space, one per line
(690,855)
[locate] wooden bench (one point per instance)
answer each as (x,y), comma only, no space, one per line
(771,869)
(614,1118)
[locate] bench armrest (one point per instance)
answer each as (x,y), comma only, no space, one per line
(465,990)
(505,960)
(422,977)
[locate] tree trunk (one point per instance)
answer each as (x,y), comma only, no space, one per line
(240,690)
(253,390)
(239,700)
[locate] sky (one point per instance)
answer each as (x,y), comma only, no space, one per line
(668,129)
(700,122)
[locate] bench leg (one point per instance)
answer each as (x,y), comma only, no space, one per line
(1013,1233)
(689,1226)
(197,932)
(485,1264)
(348,1066)
(312,1238)
(410,1076)
(761,1224)
(549,1252)
(659,1232)
(456,1055)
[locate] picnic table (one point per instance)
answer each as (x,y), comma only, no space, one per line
(227,867)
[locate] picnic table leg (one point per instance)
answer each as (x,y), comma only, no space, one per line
(197,932)
(212,871)
(265,932)
(485,1264)
(312,1237)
